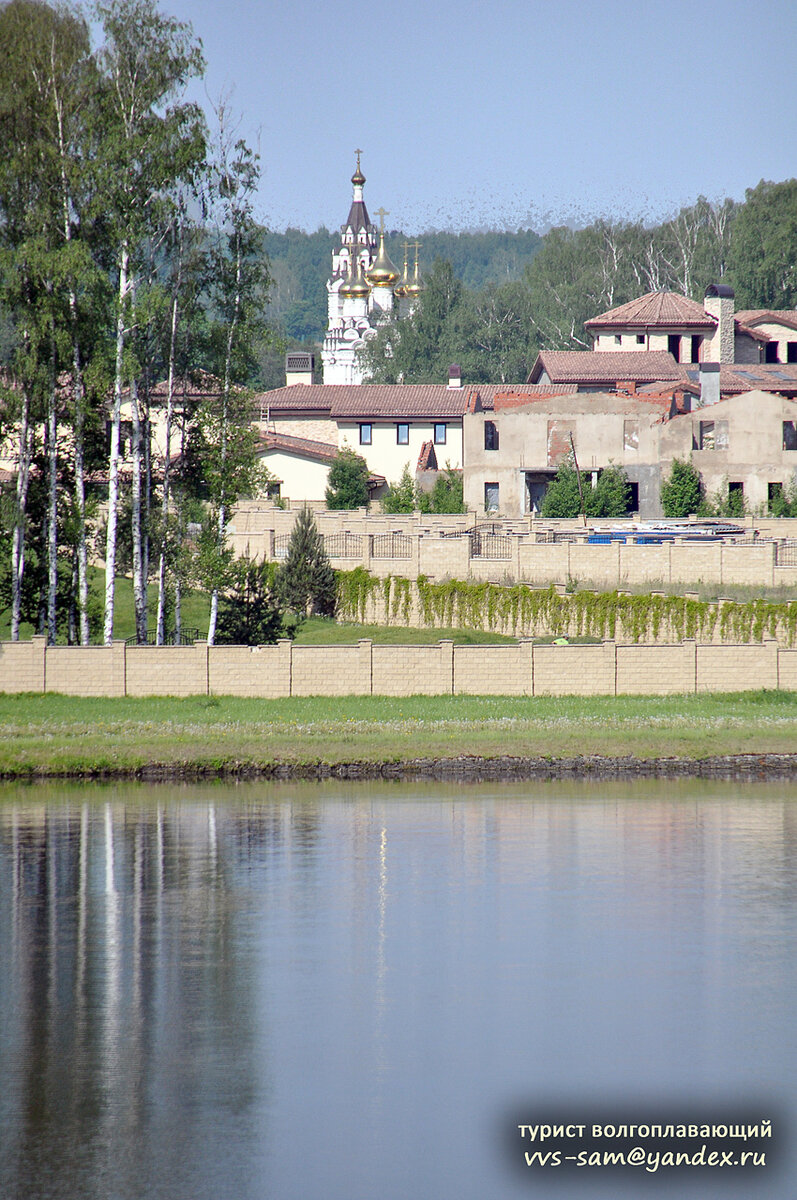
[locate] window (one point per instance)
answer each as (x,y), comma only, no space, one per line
(775,498)
(273,490)
(630,435)
(696,340)
(789,435)
(618,339)
(735,499)
(674,345)
(403,433)
(490,435)
(491,497)
(771,352)
(713,435)
(365,435)
(640,339)
(791,352)
(440,433)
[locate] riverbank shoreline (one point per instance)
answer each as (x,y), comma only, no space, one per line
(460,768)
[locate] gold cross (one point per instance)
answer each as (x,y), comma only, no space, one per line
(382,213)
(358,153)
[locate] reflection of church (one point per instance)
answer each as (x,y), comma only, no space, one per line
(364,290)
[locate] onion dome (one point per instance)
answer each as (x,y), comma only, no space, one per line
(358,179)
(416,284)
(382,273)
(356,286)
(401,289)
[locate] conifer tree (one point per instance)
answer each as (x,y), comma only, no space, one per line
(306,581)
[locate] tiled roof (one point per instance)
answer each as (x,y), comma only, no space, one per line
(664,309)
(367,401)
(768,316)
(594,367)
(747,377)
(304,447)
(427,459)
(741,328)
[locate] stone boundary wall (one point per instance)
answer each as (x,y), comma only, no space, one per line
(437,553)
(518,669)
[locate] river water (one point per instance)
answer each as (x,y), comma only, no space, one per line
(358,992)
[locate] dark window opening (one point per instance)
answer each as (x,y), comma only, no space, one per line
(789,435)
(618,339)
(640,339)
(632,502)
(674,345)
(273,490)
(771,352)
(791,352)
(402,434)
(775,498)
(696,340)
(736,498)
(365,435)
(490,435)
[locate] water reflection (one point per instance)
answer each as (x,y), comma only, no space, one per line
(341,991)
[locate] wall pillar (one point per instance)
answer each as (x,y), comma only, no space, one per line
(119,667)
(38,654)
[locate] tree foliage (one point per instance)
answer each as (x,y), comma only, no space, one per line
(400,497)
(682,490)
(609,498)
(305,580)
(446,495)
(347,485)
(249,611)
(763,252)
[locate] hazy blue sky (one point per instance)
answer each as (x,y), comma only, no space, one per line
(512,113)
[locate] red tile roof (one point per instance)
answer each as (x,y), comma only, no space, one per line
(367,401)
(768,316)
(304,447)
(748,377)
(427,459)
(662,309)
(594,367)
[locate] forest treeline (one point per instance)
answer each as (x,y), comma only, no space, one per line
(496,298)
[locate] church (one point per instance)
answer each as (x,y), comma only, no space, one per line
(365,288)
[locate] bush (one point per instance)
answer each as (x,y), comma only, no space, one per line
(682,491)
(348,481)
(609,498)
(306,582)
(446,496)
(249,613)
(400,497)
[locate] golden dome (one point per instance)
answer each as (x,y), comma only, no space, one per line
(356,286)
(382,273)
(415,285)
(358,179)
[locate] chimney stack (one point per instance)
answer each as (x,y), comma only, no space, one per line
(454,376)
(719,304)
(709,383)
(299,367)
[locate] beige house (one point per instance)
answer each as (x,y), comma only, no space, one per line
(694,333)
(746,444)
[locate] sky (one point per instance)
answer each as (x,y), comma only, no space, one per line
(510,114)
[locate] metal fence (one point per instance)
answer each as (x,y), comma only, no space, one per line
(343,545)
(186,637)
(786,553)
(490,545)
(392,545)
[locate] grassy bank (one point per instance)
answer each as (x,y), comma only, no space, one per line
(62,735)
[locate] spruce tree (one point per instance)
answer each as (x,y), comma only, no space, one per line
(306,581)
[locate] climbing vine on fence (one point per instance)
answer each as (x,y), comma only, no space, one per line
(519,609)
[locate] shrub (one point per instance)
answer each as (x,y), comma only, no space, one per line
(249,613)
(682,491)
(348,481)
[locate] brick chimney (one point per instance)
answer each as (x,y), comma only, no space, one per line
(719,303)
(454,376)
(299,367)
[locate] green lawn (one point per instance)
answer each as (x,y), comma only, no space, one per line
(64,735)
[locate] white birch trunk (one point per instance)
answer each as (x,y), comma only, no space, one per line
(139,594)
(113,458)
(18,540)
